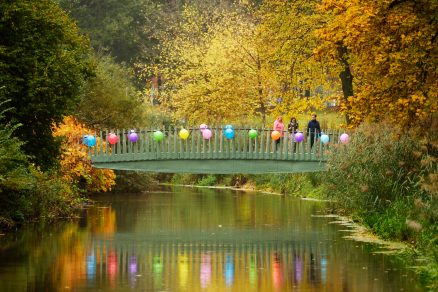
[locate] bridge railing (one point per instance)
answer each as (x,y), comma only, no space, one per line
(241,147)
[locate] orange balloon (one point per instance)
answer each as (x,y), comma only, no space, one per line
(275,135)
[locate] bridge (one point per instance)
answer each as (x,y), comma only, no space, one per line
(243,153)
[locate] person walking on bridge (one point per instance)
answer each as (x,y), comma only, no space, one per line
(279,126)
(313,129)
(292,128)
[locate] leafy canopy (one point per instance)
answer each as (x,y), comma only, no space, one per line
(43,64)
(393,49)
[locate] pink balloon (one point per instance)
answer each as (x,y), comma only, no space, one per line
(206,134)
(344,138)
(202,127)
(112,138)
(299,137)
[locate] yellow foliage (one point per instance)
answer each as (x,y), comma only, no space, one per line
(75,161)
(393,51)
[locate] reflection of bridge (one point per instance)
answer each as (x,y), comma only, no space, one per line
(241,154)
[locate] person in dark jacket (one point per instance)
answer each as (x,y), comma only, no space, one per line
(313,129)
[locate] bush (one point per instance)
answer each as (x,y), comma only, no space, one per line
(209,180)
(389,180)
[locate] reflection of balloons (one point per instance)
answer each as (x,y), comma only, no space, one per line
(325,138)
(202,127)
(133,265)
(299,137)
(133,137)
(112,138)
(229,133)
(344,138)
(158,136)
(252,133)
(206,134)
(184,134)
(229,127)
(275,135)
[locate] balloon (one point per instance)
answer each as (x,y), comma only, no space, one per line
(112,138)
(133,137)
(184,134)
(275,135)
(229,133)
(84,139)
(158,136)
(344,138)
(89,140)
(299,137)
(206,134)
(202,127)
(229,127)
(252,133)
(325,138)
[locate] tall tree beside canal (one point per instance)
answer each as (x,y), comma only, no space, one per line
(43,64)
(392,48)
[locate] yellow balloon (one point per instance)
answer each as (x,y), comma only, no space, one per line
(183,134)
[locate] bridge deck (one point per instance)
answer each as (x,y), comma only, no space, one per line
(216,166)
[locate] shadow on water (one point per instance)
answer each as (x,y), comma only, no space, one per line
(187,239)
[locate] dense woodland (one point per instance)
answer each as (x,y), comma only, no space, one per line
(71,66)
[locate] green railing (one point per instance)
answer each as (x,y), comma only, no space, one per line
(218,147)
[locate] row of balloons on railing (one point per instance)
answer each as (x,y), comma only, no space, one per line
(158,136)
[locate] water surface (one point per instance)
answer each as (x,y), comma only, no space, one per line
(185,239)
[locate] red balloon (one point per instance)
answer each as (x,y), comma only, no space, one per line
(112,138)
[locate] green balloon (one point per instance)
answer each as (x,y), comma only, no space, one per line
(252,134)
(158,136)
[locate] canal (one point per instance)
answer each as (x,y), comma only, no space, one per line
(193,239)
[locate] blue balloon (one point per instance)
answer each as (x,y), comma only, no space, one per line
(229,133)
(325,138)
(84,139)
(91,141)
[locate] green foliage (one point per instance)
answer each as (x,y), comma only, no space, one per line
(110,99)
(134,181)
(209,180)
(43,64)
(376,168)
(388,179)
(26,192)
(122,28)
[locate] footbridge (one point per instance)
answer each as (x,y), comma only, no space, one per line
(211,151)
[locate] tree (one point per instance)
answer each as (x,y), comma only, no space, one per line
(122,28)
(393,52)
(287,41)
(212,66)
(110,99)
(76,165)
(43,64)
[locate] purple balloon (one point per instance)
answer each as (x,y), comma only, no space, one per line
(206,134)
(299,137)
(133,137)
(344,138)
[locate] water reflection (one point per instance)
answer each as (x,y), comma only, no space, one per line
(196,242)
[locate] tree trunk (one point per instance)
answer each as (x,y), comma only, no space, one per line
(260,91)
(346,78)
